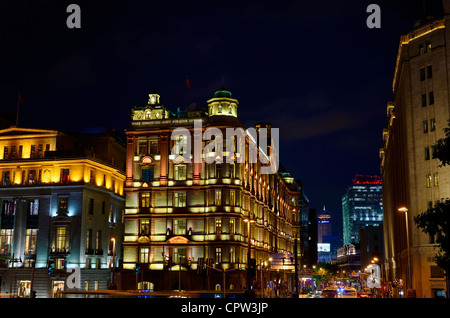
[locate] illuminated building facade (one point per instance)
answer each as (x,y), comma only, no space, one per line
(182,215)
(61,201)
(325,239)
(412,176)
(362,205)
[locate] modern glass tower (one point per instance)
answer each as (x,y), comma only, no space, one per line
(361,206)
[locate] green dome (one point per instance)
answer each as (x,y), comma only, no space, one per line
(223,92)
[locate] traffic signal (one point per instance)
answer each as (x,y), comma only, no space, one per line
(252,267)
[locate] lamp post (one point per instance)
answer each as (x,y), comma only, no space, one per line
(113,240)
(404,209)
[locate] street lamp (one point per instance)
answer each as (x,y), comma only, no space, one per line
(405,210)
(113,240)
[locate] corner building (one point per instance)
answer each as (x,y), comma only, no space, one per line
(62,202)
(411,174)
(182,218)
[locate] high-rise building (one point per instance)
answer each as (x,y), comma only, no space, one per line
(61,201)
(184,216)
(362,205)
(413,179)
(326,241)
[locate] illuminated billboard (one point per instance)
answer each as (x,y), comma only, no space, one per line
(323,247)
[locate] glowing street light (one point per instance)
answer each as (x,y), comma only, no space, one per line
(405,210)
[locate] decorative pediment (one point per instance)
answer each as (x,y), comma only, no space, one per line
(143,239)
(178,240)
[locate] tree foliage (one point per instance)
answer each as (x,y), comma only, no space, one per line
(436,221)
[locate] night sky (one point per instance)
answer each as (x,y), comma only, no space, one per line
(312,69)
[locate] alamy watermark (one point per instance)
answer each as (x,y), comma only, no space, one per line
(235,146)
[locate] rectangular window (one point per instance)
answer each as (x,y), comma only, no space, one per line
(232,255)
(6,237)
(33,206)
(64,178)
(98,243)
(89,241)
(180,172)
(9,207)
(143,148)
(218,170)
(30,241)
(154,150)
(6,178)
(232,198)
(144,255)
(425,126)
(5,152)
(32,177)
(144,227)
(430,98)
(218,227)
(147,174)
(13,152)
(428,180)
(232,170)
(218,255)
(20,151)
(179,227)
(91,206)
(432,124)
(145,200)
(427,153)
(180,199)
(232,227)
(218,197)
(61,238)
(427,47)
(433,152)
(422,74)
(33,151)
(424,100)
(421,49)
(103,207)
(436,179)
(429,71)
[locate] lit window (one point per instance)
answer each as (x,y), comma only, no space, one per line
(144,253)
(145,227)
(6,237)
(232,198)
(145,200)
(180,199)
(218,255)
(436,179)
(218,226)
(61,238)
(428,180)
(180,172)
(218,197)
(30,241)
(179,227)
(432,124)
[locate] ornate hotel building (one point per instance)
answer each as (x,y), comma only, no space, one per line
(62,201)
(411,174)
(188,220)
